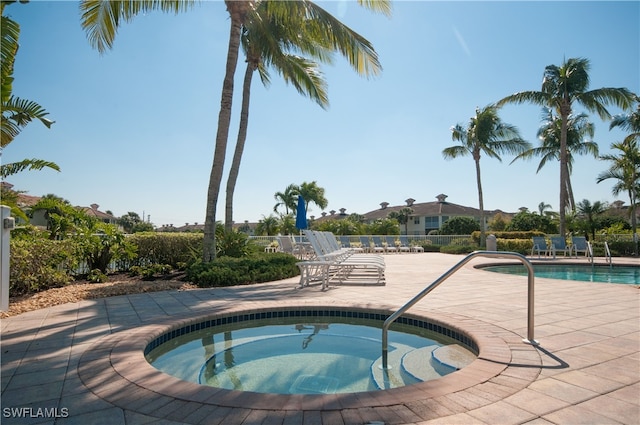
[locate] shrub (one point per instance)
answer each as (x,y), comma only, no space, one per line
(38,264)
(175,249)
(459,226)
(229,271)
(150,271)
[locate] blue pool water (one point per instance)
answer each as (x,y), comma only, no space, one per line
(306,356)
(589,273)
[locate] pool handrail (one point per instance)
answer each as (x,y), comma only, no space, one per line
(492,254)
(607,253)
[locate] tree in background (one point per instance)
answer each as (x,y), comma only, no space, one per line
(268,226)
(459,226)
(562,86)
(286,199)
(588,213)
(579,141)
(487,134)
(624,169)
(402,217)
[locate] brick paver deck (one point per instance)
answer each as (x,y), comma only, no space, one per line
(83,361)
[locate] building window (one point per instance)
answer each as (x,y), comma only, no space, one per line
(431,223)
(416,220)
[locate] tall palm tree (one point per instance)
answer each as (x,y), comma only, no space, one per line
(625,169)
(101,18)
(16,113)
(562,86)
(579,134)
(312,193)
(267,42)
(629,122)
(487,134)
(287,199)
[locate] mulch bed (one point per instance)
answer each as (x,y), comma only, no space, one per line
(121,284)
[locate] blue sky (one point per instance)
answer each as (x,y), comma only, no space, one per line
(135,127)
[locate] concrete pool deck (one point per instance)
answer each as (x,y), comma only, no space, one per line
(81,361)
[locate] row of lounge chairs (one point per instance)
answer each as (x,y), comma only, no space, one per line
(333,263)
(377,245)
(559,244)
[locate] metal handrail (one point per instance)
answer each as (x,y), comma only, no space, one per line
(607,253)
(493,254)
(589,252)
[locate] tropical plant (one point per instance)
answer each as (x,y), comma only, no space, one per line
(588,213)
(269,41)
(629,122)
(312,194)
(17,113)
(459,226)
(527,221)
(579,134)
(562,86)
(286,199)
(100,20)
(268,226)
(487,134)
(402,217)
(625,170)
(545,209)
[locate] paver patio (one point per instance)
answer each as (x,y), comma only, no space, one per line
(82,361)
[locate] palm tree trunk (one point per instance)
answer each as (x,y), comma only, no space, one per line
(235,9)
(563,170)
(483,236)
(237,155)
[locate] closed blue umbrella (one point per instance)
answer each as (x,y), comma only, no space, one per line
(301,214)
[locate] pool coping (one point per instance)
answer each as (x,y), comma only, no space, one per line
(115,370)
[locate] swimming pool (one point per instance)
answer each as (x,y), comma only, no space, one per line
(582,272)
(309,352)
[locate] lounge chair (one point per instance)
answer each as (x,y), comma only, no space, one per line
(366,244)
(391,244)
(559,244)
(346,243)
(403,246)
(404,241)
(335,263)
(378,246)
(540,246)
(286,244)
(579,244)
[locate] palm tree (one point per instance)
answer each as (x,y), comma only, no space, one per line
(629,122)
(268,226)
(544,209)
(16,113)
(588,212)
(312,193)
(487,134)
(402,217)
(287,199)
(561,87)
(100,19)
(625,169)
(266,41)
(579,134)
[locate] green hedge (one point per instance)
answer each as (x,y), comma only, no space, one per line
(174,249)
(40,264)
(229,271)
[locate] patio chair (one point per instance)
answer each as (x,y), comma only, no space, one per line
(346,243)
(559,244)
(540,246)
(391,244)
(579,244)
(378,246)
(366,244)
(403,246)
(404,241)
